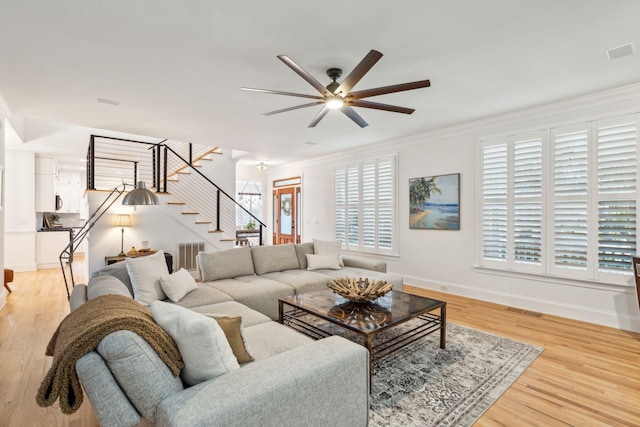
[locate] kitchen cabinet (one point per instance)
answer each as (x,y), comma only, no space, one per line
(49,245)
(45,184)
(69,190)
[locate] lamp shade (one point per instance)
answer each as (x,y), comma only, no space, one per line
(123,221)
(140,196)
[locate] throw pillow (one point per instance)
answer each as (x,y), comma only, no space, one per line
(178,284)
(328,247)
(316,262)
(205,351)
(232,328)
(145,273)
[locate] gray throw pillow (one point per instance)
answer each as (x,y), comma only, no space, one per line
(225,264)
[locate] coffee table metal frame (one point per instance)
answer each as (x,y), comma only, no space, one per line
(431,322)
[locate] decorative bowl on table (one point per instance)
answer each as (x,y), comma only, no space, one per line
(359,290)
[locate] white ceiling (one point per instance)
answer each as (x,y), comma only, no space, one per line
(176,67)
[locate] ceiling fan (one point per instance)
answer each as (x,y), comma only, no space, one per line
(338,96)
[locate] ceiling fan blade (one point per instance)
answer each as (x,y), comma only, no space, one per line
(304,74)
(388,89)
(318,117)
(361,69)
(378,106)
(284,110)
(351,113)
(279,92)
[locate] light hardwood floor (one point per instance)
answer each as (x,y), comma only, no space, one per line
(588,375)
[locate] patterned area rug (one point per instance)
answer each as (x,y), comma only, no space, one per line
(423,385)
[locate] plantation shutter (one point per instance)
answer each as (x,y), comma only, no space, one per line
(571,219)
(494,209)
(617,193)
(365,205)
(527,209)
(340,188)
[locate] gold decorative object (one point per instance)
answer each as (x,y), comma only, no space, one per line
(359,290)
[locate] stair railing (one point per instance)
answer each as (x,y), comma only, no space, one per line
(220,195)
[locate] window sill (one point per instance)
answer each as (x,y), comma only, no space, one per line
(581,283)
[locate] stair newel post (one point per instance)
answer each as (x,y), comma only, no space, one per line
(91,172)
(260,236)
(135,174)
(154,167)
(218,210)
(164,169)
(157,169)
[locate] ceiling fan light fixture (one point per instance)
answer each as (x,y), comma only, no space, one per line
(334,103)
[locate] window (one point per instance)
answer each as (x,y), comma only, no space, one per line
(561,201)
(365,205)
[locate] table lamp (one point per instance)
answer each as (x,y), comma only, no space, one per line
(122,221)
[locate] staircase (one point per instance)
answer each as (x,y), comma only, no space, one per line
(179,173)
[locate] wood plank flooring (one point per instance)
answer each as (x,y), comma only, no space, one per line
(588,375)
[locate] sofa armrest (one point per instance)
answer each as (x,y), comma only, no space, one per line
(78,296)
(368,264)
(325,382)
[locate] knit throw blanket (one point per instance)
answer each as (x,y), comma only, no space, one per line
(81,332)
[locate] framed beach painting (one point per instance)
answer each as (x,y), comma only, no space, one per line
(435,202)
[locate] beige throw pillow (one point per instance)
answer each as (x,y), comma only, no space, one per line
(328,247)
(205,351)
(317,262)
(232,327)
(178,284)
(145,273)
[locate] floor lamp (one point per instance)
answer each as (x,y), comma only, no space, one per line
(138,196)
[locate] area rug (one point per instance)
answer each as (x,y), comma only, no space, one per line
(423,385)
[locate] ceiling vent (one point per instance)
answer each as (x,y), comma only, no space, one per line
(619,52)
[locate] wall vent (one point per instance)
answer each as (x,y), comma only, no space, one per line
(187,255)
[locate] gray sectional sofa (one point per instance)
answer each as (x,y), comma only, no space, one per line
(293,380)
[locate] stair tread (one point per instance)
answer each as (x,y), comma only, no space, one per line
(190,213)
(203,222)
(215,231)
(176,203)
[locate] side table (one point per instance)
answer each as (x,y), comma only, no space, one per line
(116,258)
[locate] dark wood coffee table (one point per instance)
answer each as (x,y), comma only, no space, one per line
(367,320)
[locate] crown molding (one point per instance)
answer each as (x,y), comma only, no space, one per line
(618,101)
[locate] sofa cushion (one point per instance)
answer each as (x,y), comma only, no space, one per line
(142,375)
(274,258)
(145,273)
(205,351)
(328,247)
(225,264)
(317,262)
(203,295)
(105,284)
(302,249)
(301,280)
(269,339)
(232,328)
(256,292)
(119,271)
(178,284)
(233,308)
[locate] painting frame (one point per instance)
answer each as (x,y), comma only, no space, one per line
(434,202)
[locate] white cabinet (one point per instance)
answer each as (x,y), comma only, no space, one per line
(69,190)
(49,245)
(45,184)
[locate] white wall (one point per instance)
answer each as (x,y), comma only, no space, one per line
(445,260)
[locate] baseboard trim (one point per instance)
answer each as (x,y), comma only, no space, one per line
(575,312)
